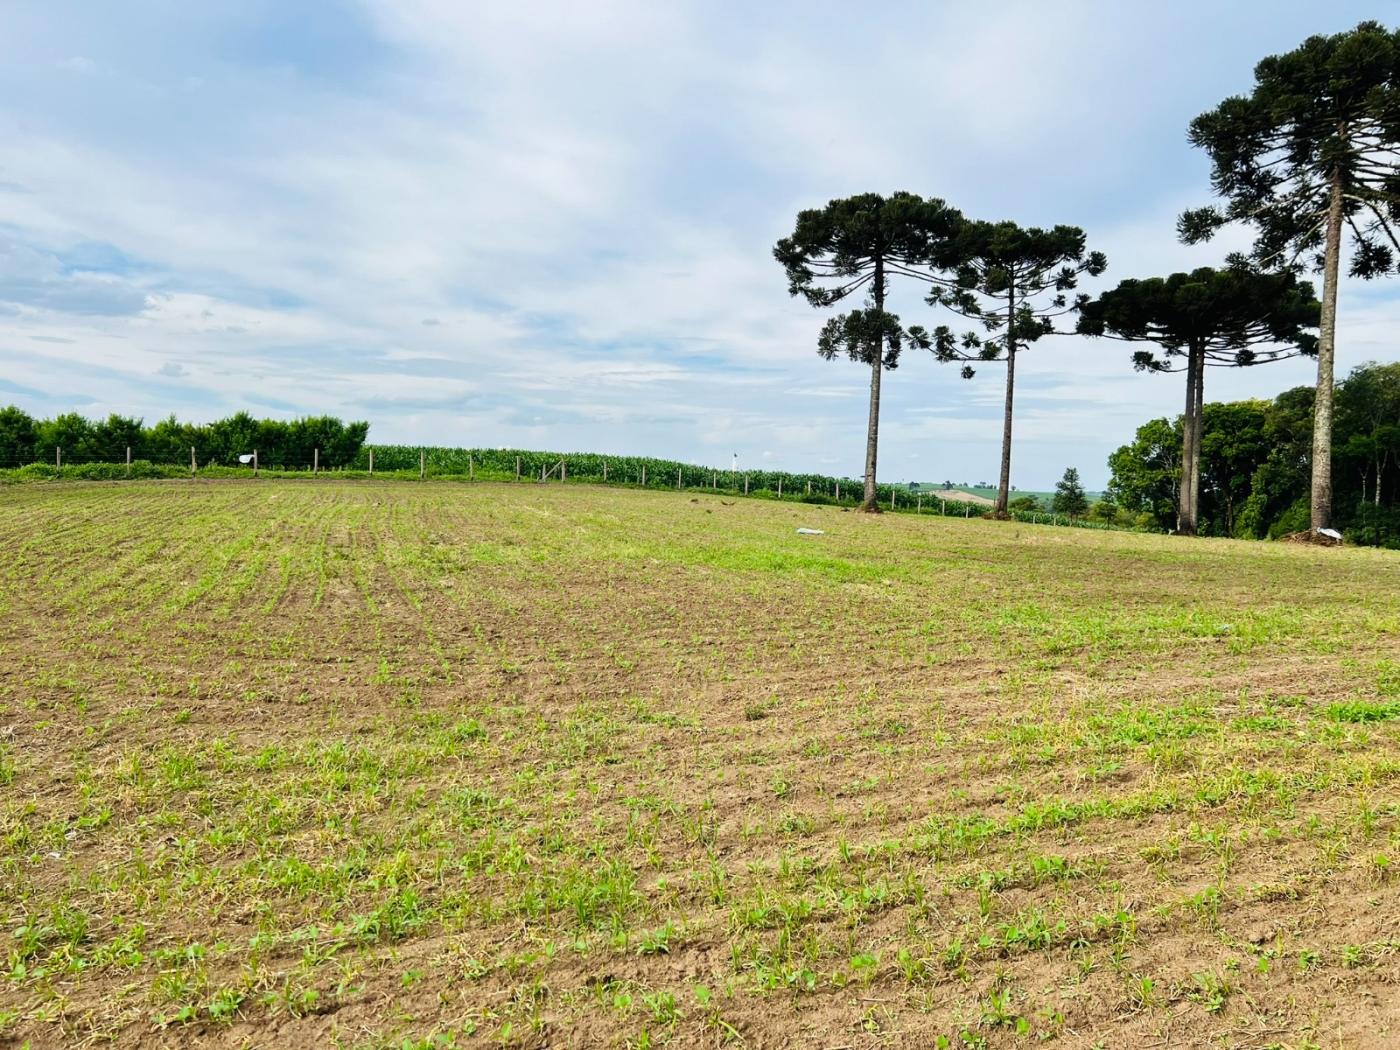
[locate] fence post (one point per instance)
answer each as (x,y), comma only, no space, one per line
(563,470)
(315,461)
(471,468)
(678,479)
(746,480)
(128,461)
(780,488)
(838,492)
(542,474)
(517,468)
(967,509)
(809,486)
(644,475)
(193,465)
(893,497)
(605,472)
(255,462)
(943,508)
(422,464)
(371,460)
(58,455)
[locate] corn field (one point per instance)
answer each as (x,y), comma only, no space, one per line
(500,464)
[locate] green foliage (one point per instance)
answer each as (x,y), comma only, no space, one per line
(279,444)
(1234,445)
(1325,114)
(1013,281)
(1375,526)
(16,436)
(1069,495)
(1145,474)
(1228,313)
(1255,463)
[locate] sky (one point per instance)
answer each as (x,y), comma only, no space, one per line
(550,225)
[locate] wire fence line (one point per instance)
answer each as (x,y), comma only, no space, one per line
(508,465)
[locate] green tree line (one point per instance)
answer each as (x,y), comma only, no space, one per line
(74,439)
(1256,469)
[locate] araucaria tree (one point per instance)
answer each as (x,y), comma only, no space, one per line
(1069,496)
(1014,282)
(1231,317)
(858,245)
(1311,158)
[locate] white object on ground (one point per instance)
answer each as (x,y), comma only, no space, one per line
(1331,534)
(811,532)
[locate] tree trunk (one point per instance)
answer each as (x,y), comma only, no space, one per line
(1200,430)
(1326,354)
(877,360)
(1190,447)
(1004,486)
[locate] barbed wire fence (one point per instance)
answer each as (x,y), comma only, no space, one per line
(506,465)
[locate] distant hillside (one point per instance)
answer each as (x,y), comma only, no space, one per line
(989,492)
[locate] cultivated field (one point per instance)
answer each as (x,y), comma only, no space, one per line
(395,764)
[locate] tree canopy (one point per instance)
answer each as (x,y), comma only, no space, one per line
(1233,317)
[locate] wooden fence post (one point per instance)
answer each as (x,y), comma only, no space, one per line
(128,461)
(255,462)
(678,478)
(422,464)
(746,477)
(193,465)
(315,461)
(605,472)
(809,487)
(371,461)
(517,468)
(58,455)
(893,498)
(471,467)
(838,490)
(780,488)
(644,475)
(563,470)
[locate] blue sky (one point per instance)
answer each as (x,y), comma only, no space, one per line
(550,225)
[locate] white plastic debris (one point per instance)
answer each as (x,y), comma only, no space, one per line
(1331,534)
(811,532)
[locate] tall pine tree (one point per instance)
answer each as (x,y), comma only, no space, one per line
(858,245)
(1014,281)
(1311,159)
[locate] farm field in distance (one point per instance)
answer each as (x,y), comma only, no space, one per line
(398,764)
